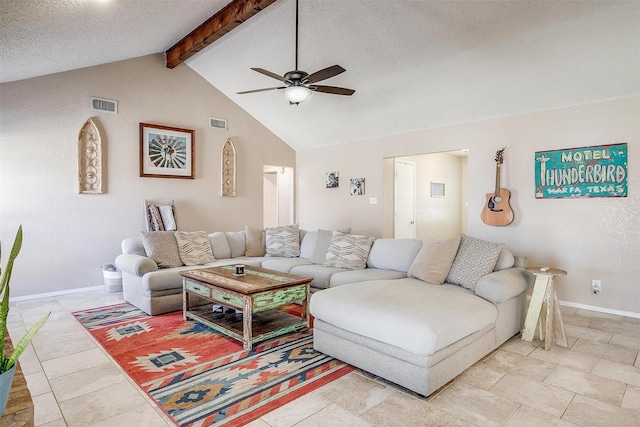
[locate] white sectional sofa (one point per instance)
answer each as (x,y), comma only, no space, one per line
(158,290)
(382,318)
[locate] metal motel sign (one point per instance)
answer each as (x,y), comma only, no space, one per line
(598,171)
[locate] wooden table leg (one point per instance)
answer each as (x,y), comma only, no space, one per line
(305,307)
(185,300)
(535,305)
(559,333)
(548,326)
(247,319)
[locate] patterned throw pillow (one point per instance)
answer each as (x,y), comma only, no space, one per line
(161,246)
(283,241)
(475,258)
(322,245)
(194,247)
(348,251)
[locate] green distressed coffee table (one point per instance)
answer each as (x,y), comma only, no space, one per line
(256,296)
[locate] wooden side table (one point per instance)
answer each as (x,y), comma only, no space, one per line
(544,292)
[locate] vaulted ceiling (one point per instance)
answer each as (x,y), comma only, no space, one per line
(413,64)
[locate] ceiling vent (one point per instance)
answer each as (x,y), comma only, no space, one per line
(217,123)
(104,105)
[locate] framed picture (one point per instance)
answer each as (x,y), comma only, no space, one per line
(333,180)
(166,152)
(437,189)
(357,186)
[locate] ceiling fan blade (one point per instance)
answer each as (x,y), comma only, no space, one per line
(333,90)
(260,90)
(324,74)
(272,75)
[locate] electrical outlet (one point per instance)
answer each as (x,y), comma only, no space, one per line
(596,286)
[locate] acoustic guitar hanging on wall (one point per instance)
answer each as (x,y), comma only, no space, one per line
(497,210)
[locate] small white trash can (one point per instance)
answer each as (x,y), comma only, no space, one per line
(112,281)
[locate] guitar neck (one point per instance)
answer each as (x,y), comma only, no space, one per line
(497,191)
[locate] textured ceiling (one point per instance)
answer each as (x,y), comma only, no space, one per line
(413,64)
(41,37)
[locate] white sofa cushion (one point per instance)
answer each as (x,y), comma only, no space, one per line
(433,262)
(283,264)
(220,245)
(406,313)
(475,258)
(505,260)
(194,247)
(321,275)
(133,245)
(393,254)
(237,243)
(348,251)
(161,246)
(323,241)
(350,276)
(308,243)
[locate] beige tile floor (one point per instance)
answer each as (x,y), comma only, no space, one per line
(596,382)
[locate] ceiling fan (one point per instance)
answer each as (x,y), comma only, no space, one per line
(300,84)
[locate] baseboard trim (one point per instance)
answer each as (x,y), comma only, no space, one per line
(600,309)
(55,294)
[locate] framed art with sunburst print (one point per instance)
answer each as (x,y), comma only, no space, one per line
(167,152)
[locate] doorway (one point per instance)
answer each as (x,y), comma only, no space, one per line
(277,196)
(436,215)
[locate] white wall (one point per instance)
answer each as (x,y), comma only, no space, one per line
(67,236)
(590,238)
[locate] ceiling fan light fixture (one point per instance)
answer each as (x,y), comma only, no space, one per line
(297,94)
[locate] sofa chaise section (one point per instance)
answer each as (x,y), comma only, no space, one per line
(417,334)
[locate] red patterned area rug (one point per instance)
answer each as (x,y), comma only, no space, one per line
(200,377)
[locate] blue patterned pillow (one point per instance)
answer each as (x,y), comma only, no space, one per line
(348,251)
(475,258)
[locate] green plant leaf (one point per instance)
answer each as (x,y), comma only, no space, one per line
(15,250)
(5,290)
(25,341)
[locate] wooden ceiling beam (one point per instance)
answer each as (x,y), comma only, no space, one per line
(225,20)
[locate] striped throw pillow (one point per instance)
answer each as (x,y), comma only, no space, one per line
(194,247)
(348,251)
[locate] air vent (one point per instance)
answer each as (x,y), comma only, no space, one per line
(104,105)
(217,123)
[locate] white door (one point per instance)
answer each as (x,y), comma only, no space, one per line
(404,191)
(270,199)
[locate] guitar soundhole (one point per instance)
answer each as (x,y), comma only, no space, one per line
(497,199)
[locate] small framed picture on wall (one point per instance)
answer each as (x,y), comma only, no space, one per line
(437,189)
(357,186)
(333,180)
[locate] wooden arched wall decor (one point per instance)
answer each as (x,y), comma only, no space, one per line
(89,159)
(228,169)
